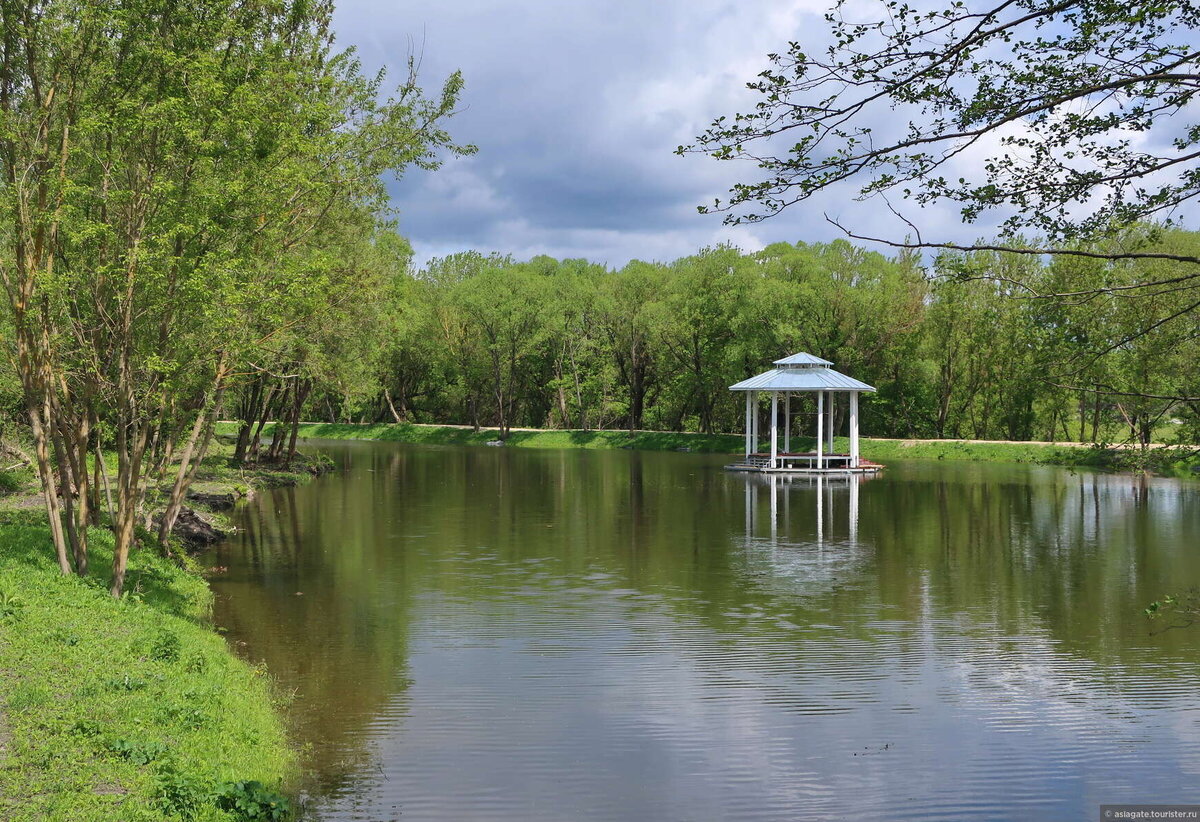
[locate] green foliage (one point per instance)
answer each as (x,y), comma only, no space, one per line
(205,184)
(252,801)
(165,647)
(137,752)
(894,101)
(955,352)
(1176,610)
(1049,93)
(179,793)
(11,607)
(86,728)
(12,481)
(127,683)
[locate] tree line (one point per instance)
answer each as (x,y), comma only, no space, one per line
(964,348)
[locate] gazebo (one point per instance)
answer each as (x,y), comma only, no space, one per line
(802,373)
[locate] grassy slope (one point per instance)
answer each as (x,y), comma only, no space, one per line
(439,435)
(120,710)
(875,449)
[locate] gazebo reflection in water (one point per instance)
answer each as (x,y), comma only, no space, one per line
(805,375)
(802,532)
(832,494)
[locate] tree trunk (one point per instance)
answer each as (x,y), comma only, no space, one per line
(302,391)
(637,390)
(275,453)
(49,483)
(391,407)
(97,467)
(564,415)
(248,413)
(200,435)
(278,438)
(130,452)
(264,414)
(102,470)
(583,419)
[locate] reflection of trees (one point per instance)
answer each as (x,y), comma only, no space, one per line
(1076,555)
(305,595)
(1019,550)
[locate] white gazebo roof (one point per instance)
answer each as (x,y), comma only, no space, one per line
(802,359)
(801,372)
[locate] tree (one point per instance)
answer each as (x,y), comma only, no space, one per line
(699,325)
(1087,100)
(1139,353)
(172,173)
(506,304)
(624,317)
(987,350)
(851,306)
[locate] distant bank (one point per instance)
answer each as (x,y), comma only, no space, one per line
(1159,459)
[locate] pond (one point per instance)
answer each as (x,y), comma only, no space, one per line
(507,634)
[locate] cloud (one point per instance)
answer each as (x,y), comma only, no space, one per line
(577,109)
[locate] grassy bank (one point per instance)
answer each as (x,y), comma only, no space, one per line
(129,710)
(880,450)
(451,435)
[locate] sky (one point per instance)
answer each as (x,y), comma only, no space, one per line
(577,106)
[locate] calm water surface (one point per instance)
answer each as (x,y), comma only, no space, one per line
(492,634)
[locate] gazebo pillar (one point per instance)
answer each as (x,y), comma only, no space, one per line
(774,427)
(853,429)
(820,426)
(754,422)
(749,425)
(829,432)
(787,422)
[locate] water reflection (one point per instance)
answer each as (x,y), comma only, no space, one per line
(827,494)
(491,634)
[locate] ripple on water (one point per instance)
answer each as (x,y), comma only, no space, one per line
(656,655)
(710,729)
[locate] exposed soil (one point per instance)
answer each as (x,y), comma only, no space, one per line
(194,531)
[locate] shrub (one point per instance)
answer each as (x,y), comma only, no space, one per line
(165,647)
(253,801)
(12,482)
(139,753)
(179,793)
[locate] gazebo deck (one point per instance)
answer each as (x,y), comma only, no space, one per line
(805,462)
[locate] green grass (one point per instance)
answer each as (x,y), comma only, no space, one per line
(880,450)
(439,435)
(884,450)
(1183,462)
(129,710)
(219,474)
